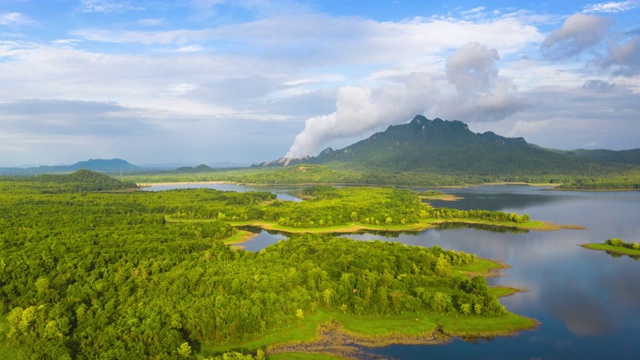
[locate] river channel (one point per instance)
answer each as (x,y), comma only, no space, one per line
(588,302)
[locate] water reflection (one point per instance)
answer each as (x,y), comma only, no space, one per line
(485,227)
(262,239)
(618,255)
(285,193)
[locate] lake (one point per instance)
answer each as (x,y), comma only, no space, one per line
(588,302)
(283,192)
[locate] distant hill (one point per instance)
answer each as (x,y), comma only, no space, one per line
(191,169)
(98,165)
(85,180)
(449,147)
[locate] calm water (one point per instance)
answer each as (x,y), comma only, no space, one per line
(287,193)
(587,301)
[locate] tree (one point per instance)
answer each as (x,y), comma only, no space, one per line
(465,309)
(184,351)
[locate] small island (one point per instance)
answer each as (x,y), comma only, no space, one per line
(616,246)
(437,195)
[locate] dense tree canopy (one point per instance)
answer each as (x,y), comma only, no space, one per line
(104,275)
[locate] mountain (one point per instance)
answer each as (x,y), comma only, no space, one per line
(98,165)
(449,147)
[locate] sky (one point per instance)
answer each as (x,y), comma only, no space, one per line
(246,81)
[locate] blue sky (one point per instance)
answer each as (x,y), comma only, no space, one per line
(245,81)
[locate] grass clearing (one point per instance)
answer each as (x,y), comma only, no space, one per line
(302,356)
(375,331)
(478,326)
(484,267)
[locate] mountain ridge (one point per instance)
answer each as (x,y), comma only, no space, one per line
(446,146)
(97,165)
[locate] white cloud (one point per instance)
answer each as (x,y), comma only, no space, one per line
(339,39)
(106,6)
(624,58)
(150,22)
(611,7)
(14,19)
(190,49)
(482,95)
(578,33)
(472,69)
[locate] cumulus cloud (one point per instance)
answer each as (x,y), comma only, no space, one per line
(482,94)
(624,58)
(472,69)
(578,33)
(359,109)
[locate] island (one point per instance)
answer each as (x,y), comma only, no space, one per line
(616,246)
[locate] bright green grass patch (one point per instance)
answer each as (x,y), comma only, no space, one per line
(478,267)
(303,330)
(483,326)
(441,197)
(342,228)
(409,324)
(529,225)
(502,291)
(302,356)
(239,237)
(613,249)
(353,227)
(377,327)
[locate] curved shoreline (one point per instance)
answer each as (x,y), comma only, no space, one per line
(343,335)
(353,228)
(169,183)
(333,338)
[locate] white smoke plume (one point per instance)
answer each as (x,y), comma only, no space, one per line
(480,95)
(360,109)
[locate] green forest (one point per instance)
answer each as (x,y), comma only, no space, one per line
(92,269)
(618,179)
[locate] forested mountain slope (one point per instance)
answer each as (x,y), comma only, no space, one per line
(631,157)
(449,147)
